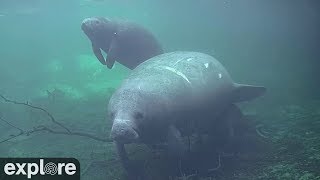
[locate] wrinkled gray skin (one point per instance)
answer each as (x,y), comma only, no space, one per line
(124,42)
(168,91)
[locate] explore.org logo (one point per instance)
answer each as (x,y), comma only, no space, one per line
(39,168)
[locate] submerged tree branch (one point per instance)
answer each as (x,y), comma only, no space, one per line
(1,118)
(35,107)
(21,132)
(43,128)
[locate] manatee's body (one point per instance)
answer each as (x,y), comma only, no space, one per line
(124,42)
(168,91)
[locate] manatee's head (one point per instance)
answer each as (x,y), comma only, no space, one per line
(126,115)
(97,27)
(132,115)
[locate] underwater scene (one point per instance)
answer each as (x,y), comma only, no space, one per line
(163,90)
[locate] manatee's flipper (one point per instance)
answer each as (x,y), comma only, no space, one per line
(122,154)
(133,170)
(231,116)
(98,54)
(176,146)
(244,92)
(112,54)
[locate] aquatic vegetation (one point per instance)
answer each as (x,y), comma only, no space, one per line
(94,79)
(69,91)
(287,172)
(54,66)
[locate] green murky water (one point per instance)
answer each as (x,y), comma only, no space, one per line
(44,54)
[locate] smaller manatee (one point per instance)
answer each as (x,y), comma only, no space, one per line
(125,42)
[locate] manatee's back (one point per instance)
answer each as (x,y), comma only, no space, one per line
(136,43)
(183,78)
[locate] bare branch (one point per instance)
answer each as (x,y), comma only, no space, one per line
(35,107)
(11,137)
(21,131)
(43,128)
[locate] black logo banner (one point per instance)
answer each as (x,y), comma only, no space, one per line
(39,169)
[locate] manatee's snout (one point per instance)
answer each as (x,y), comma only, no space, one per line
(123,132)
(91,24)
(86,24)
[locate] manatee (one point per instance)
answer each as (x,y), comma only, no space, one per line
(125,42)
(164,93)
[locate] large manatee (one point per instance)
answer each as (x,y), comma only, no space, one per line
(125,42)
(170,90)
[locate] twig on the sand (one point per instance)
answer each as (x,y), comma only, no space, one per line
(219,165)
(186,177)
(258,131)
(183,175)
